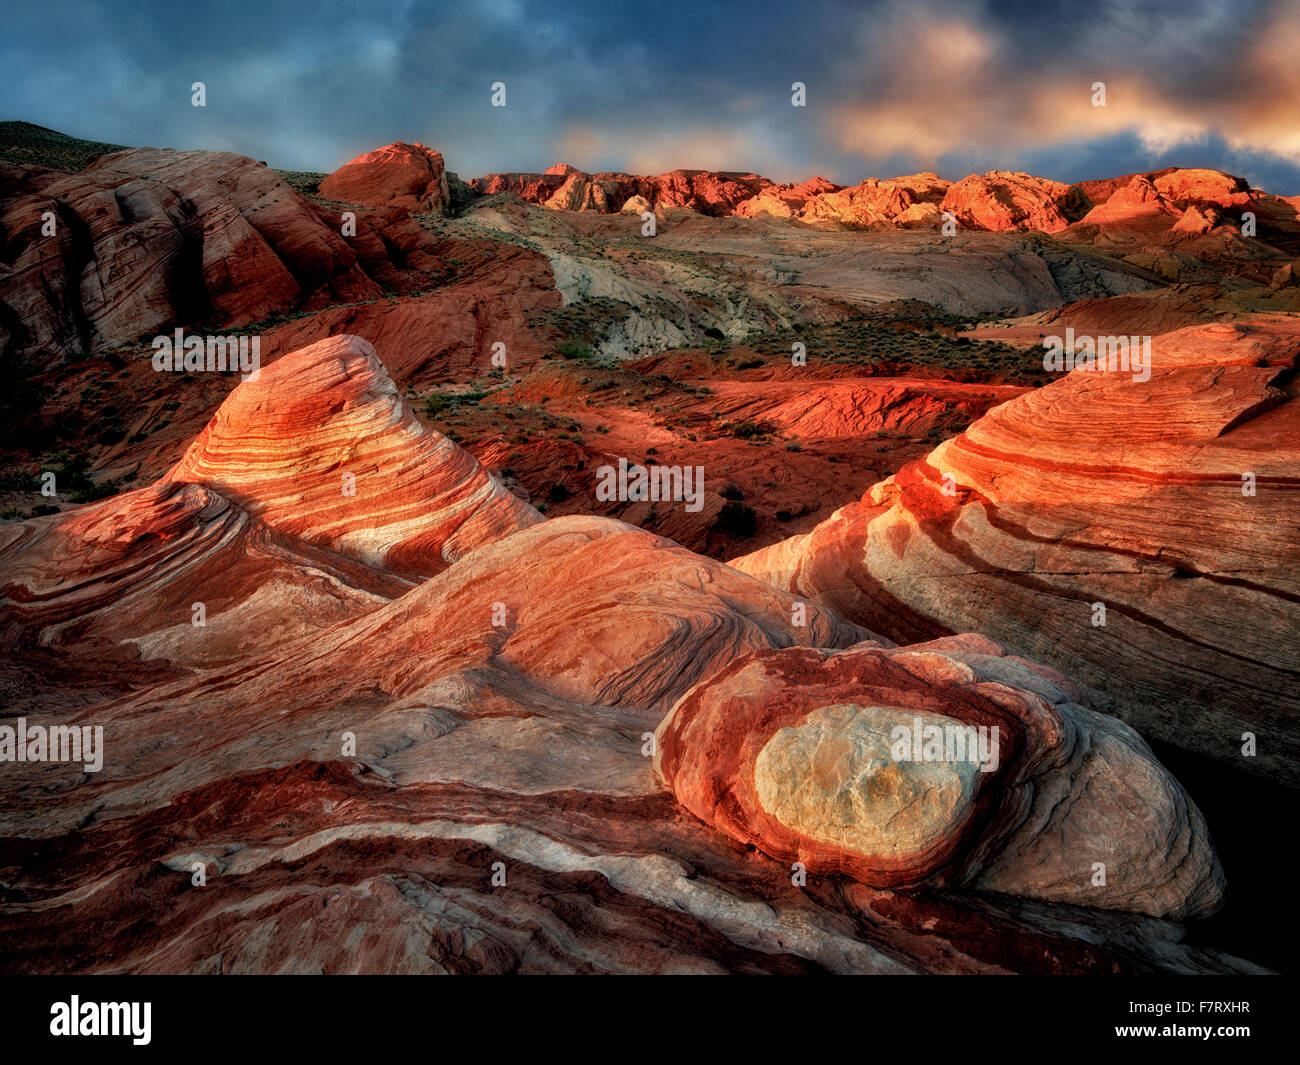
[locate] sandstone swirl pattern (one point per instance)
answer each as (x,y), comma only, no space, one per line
(322,446)
(117,581)
(521,744)
(401,691)
(253,523)
(794,752)
(1102,489)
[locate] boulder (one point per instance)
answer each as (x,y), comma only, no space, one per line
(402,175)
(943,764)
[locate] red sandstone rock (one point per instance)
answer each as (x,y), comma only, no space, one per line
(402,175)
(477,743)
(1196,220)
(785,201)
(1100,488)
(1000,200)
(565,188)
(532,188)
(117,581)
(903,201)
(257,523)
(1136,208)
(149,240)
(450,330)
(523,741)
(320,445)
(849,763)
(362,767)
(1158,310)
(1201,186)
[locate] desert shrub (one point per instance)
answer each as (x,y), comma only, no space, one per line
(573,348)
(737,520)
(438,403)
(18,482)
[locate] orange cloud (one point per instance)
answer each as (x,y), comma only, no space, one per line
(943,81)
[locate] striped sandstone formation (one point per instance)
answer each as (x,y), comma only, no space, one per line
(321,445)
(442,786)
(810,756)
(255,523)
(118,580)
(149,239)
(1101,489)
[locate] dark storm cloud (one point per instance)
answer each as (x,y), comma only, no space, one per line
(892,86)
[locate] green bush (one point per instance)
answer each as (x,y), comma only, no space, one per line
(574,349)
(737,520)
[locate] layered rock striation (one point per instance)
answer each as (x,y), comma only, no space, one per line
(948,763)
(1142,536)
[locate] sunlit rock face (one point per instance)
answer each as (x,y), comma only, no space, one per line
(151,238)
(1140,535)
(321,445)
(399,693)
(1000,200)
(171,573)
(313,496)
(525,744)
(997,201)
(399,175)
(946,764)
(565,188)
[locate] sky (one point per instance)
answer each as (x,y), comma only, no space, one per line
(892,86)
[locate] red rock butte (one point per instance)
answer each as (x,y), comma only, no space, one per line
(401,175)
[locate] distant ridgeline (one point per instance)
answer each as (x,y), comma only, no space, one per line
(27,144)
(31,145)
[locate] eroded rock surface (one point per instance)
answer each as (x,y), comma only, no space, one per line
(322,446)
(947,763)
(399,175)
(1170,502)
(355,782)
